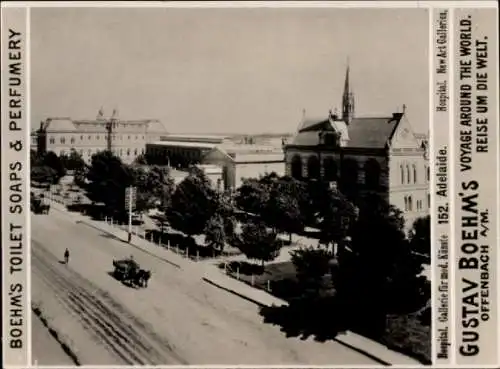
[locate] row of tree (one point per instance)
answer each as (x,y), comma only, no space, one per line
(373,263)
(49,168)
(193,207)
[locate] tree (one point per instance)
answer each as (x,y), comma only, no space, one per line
(252,196)
(43,174)
(109,178)
(382,273)
(336,216)
(215,232)
(420,236)
(282,211)
(51,160)
(154,187)
(259,243)
(312,265)
(193,203)
(74,161)
(36,159)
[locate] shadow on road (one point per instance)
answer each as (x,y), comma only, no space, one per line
(125,283)
(302,319)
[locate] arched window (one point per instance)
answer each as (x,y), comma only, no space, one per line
(135,151)
(372,174)
(81,138)
(407,174)
(72,140)
(406,203)
(330,169)
(52,140)
(410,205)
(402,174)
(428,174)
(63,140)
(414,173)
(313,167)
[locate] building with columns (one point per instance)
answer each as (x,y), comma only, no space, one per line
(126,138)
(364,154)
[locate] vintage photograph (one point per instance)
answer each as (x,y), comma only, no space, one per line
(230,186)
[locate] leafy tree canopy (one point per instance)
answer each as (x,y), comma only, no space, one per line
(48,160)
(259,243)
(215,232)
(420,236)
(43,174)
(109,178)
(193,203)
(154,186)
(73,161)
(337,215)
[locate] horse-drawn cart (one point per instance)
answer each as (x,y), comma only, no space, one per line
(129,271)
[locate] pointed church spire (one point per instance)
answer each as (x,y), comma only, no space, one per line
(347,98)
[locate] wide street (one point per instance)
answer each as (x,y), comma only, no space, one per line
(178,319)
(46,350)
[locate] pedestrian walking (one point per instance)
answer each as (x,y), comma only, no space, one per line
(66,256)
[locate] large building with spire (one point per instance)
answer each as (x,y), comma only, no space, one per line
(379,154)
(126,138)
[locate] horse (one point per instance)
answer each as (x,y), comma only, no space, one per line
(146,275)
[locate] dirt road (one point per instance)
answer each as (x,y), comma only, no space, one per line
(178,319)
(46,350)
(110,323)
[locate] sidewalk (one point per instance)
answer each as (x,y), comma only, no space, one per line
(212,275)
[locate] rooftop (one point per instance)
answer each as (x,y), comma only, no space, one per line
(363,132)
(200,145)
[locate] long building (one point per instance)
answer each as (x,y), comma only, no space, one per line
(237,161)
(126,138)
(380,154)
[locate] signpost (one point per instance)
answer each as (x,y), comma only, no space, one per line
(130,199)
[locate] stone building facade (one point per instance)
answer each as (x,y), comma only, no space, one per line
(127,140)
(365,154)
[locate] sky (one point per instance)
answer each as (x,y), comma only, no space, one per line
(228,70)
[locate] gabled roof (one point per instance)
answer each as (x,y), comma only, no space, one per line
(308,123)
(373,132)
(364,132)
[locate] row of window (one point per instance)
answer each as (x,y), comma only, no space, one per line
(406,177)
(118,152)
(72,140)
(331,168)
(419,204)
